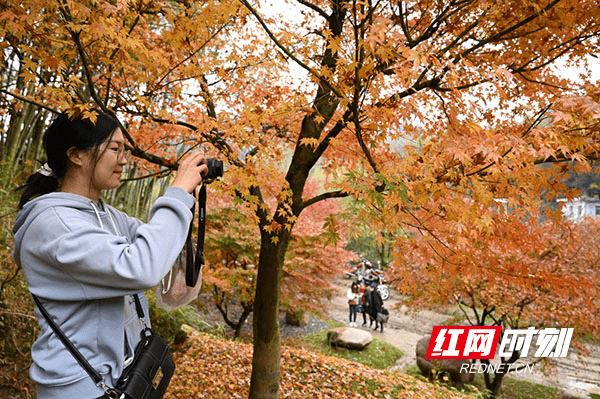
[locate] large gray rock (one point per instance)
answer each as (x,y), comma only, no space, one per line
(348,337)
(450,366)
(573,394)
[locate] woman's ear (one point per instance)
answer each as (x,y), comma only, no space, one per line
(75,156)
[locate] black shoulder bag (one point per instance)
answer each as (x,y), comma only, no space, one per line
(148,375)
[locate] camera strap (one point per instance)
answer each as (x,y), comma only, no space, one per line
(195,262)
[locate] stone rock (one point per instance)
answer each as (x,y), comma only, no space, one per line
(573,394)
(348,337)
(299,318)
(450,366)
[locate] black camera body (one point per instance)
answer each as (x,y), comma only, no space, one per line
(215,168)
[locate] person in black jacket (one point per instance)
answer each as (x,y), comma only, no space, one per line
(374,305)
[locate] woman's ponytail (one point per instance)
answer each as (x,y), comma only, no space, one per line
(43,181)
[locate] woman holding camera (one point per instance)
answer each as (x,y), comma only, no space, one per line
(84,259)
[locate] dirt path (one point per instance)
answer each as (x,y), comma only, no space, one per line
(403,330)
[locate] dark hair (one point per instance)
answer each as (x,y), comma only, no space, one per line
(65,132)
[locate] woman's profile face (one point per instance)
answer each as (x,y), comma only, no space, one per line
(112,157)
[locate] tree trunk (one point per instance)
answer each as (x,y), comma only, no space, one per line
(266,358)
(266,361)
(494,387)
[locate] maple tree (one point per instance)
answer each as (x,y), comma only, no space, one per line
(232,245)
(423,111)
(527,273)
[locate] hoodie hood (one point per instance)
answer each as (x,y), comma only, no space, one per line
(34,208)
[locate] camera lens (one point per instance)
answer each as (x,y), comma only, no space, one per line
(215,168)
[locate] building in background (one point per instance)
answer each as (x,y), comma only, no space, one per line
(580,207)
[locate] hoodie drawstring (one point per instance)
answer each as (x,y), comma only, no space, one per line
(112,221)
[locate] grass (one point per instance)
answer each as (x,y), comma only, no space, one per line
(517,389)
(378,354)
(511,388)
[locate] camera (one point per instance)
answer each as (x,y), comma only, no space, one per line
(215,168)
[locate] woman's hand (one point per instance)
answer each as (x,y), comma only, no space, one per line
(190,171)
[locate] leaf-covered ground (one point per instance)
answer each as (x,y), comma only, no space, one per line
(218,368)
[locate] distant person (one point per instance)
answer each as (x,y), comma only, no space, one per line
(353,301)
(363,302)
(374,305)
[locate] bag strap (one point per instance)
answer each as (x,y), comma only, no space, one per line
(140,312)
(76,353)
(194,266)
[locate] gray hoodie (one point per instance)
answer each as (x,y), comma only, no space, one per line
(84,271)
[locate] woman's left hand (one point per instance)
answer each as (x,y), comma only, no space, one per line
(190,171)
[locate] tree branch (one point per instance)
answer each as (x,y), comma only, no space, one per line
(30,101)
(497,37)
(529,129)
(289,53)
(321,197)
(314,7)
